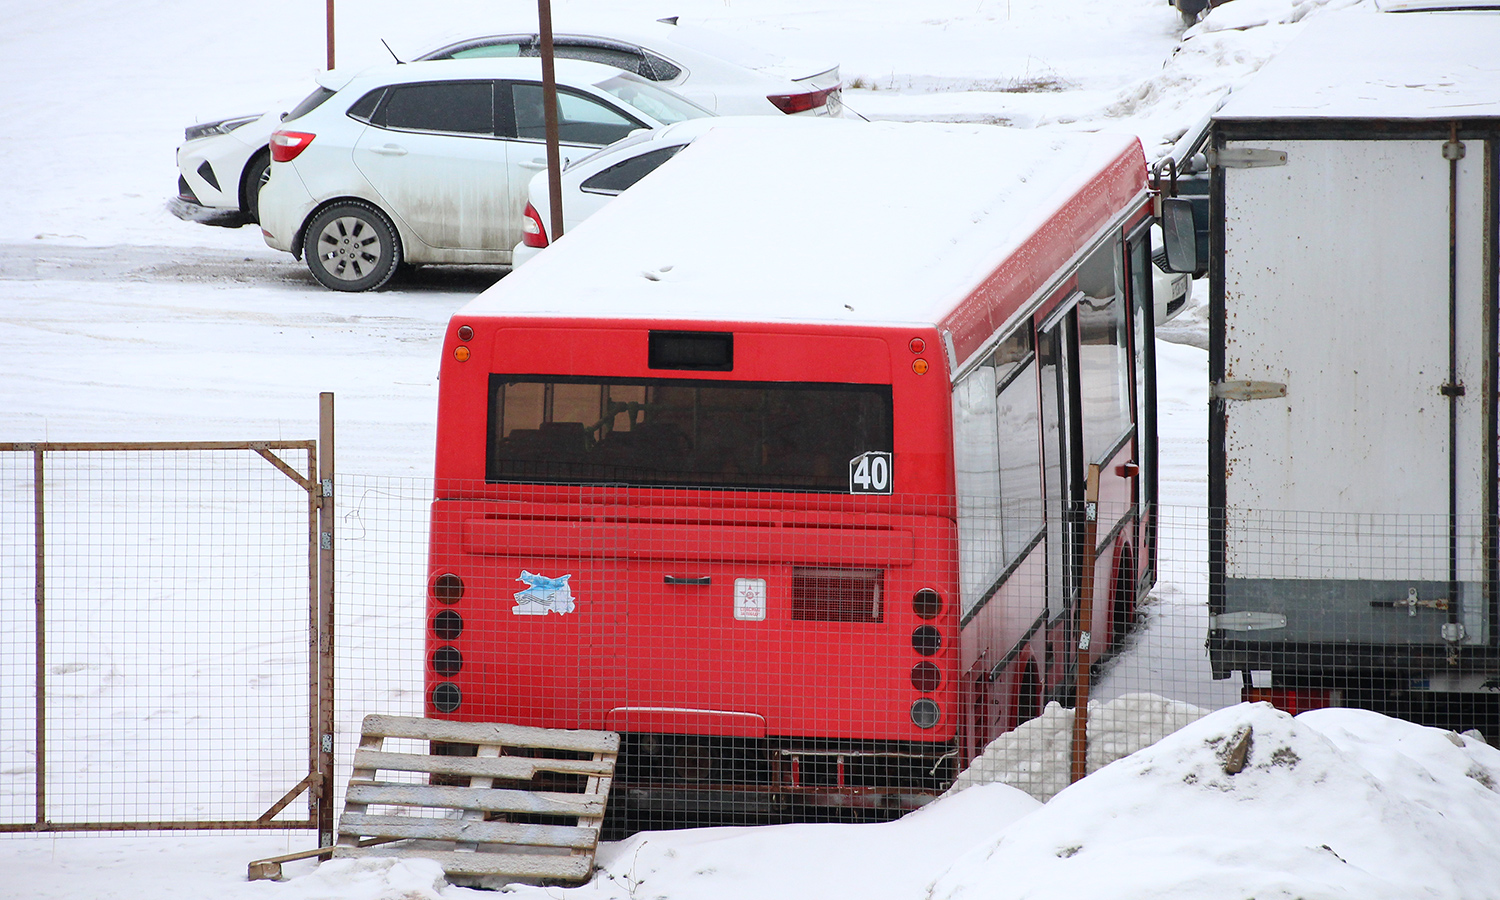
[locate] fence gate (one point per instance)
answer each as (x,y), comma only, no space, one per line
(165,624)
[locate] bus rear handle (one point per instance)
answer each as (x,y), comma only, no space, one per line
(673,579)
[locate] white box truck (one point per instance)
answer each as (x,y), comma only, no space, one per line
(1352,426)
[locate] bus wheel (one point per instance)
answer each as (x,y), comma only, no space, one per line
(1029,696)
(1122,607)
(352,247)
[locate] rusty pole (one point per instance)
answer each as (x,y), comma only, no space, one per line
(549,118)
(39,523)
(1083,664)
(328,29)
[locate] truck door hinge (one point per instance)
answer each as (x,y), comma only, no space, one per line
(1247,390)
(1245,157)
(1452,390)
(1246,620)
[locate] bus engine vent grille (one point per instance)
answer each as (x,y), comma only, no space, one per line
(837,595)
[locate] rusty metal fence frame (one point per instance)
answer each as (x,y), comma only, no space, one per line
(317,481)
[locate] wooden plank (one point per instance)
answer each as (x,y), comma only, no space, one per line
(493,733)
(480,832)
(516,865)
(488,800)
(522,768)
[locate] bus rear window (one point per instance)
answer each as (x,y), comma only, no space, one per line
(677,432)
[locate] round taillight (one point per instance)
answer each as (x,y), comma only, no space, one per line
(925,677)
(925,713)
(446,661)
(917,345)
(926,640)
(465,333)
(446,697)
(448,588)
(927,603)
(447,625)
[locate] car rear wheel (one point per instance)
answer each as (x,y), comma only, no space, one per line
(256,176)
(352,247)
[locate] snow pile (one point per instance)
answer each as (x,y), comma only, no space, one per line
(1335,803)
(374,878)
(1037,756)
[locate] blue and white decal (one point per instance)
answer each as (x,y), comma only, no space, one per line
(543,595)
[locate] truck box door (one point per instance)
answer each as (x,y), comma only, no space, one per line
(1335,285)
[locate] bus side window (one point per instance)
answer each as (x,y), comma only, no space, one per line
(976,461)
(1104,353)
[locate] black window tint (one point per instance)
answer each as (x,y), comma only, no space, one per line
(658,69)
(458,107)
(580,119)
(630,60)
(622,175)
(662,431)
(364,107)
(309,103)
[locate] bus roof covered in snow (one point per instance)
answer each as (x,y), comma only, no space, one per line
(1374,65)
(847,223)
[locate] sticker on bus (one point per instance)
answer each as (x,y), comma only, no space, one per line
(750,599)
(870,473)
(543,595)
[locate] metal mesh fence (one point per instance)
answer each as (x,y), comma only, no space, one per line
(171,587)
(840,660)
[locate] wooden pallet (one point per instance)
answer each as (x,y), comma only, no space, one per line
(479,815)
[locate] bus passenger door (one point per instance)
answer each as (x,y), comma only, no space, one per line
(1062,475)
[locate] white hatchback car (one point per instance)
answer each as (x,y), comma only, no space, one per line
(591,182)
(428,162)
(222,164)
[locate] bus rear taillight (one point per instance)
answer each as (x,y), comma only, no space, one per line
(926,640)
(447,625)
(925,713)
(446,697)
(532,232)
(446,661)
(927,603)
(926,677)
(447,588)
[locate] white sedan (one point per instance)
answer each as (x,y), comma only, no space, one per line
(428,162)
(223,164)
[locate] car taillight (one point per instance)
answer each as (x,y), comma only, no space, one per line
(532,232)
(795,103)
(285,145)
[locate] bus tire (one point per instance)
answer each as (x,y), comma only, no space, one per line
(352,246)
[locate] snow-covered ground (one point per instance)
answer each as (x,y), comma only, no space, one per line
(120,322)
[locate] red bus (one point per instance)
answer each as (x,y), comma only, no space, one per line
(775,466)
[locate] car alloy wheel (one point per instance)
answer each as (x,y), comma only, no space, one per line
(352,247)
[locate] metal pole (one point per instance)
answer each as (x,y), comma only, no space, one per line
(328,28)
(549,117)
(325,612)
(39,523)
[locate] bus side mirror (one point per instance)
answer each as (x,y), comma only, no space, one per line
(1179,234)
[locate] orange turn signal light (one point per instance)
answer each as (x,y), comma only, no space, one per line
(919,366)
(461,353)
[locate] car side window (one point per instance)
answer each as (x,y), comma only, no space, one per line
(622,175)
(658,69)
(364,108)
(580,119)
(452,107)
(501,49)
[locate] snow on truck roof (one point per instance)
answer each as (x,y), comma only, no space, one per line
(1360,64)
(838,222)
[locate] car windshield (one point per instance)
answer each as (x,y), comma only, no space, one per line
(661,105)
